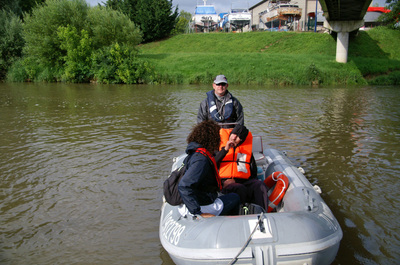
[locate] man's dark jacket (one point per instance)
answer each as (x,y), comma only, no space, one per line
(237,114)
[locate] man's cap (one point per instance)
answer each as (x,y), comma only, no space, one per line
(220,79)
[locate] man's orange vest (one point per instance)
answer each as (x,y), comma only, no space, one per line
(236,163)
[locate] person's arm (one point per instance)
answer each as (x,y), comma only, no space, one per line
(222,153)
(189,184)
(202,114)
(239,112)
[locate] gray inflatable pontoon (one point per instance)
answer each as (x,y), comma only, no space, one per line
(302,231)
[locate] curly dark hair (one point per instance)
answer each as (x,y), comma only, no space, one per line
(206,133)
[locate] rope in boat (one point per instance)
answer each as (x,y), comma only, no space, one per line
(248,240)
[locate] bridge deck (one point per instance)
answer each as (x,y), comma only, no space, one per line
(344,10)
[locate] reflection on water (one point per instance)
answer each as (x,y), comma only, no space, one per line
(82,165)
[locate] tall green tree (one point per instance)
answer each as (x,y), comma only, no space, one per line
(19,7)
(155,18)
(392,19)
(40,29)
(182,24)
(107,26)
(62,35)
(11,40)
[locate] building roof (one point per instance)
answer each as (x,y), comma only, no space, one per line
(259,3)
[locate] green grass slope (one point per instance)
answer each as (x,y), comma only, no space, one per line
(276,58)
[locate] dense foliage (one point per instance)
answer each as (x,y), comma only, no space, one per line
(43,45)
(11,41)
(65,40)
(154,17)
(19,7)
(182,24)
(392,19)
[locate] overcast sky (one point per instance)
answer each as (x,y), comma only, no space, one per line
(221,6)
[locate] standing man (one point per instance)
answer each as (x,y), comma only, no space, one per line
(220,105)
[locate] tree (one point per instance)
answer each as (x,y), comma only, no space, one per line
(10,5)
(62,35)
(107,26)
(391,19)
(11,41)
(19,7)
(182,25)
(154,17)
(43,45)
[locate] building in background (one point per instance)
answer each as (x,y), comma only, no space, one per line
(372,15)
(295,15)
(311,16)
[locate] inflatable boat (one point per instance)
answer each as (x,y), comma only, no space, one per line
(300,230)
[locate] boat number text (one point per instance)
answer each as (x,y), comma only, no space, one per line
(172,229)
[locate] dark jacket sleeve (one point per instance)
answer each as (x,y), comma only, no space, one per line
(202,114)
(191,182)
(220,155)
(239,112)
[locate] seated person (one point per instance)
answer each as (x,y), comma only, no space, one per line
(238,168)
(200,184)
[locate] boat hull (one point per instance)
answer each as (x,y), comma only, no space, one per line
(205,18)
(239,17)
(303,231)
(284,13)
(281,15)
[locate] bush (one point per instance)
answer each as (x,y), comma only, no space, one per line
(63,36)
(119,64)
(79,50)
(313,74)
(392,78)
(40,30)
(17,72)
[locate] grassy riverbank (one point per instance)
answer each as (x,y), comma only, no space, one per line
(276,58)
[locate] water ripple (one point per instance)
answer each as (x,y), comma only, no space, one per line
(82,166)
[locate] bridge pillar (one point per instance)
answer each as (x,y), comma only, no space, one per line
(343,28)
(342,47)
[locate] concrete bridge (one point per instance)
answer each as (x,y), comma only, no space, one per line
(343,17)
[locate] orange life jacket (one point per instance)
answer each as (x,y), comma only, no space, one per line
(236,163)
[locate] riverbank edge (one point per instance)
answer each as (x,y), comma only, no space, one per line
(275,58)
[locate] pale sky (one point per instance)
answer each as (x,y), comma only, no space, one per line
(221,6)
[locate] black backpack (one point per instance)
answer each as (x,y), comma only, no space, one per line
(171,192)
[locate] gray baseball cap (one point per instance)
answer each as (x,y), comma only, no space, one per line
(220,79)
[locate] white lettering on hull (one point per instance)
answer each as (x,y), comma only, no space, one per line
(171,229)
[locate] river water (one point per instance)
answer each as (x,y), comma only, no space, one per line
(82,166)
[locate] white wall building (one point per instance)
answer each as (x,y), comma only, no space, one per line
(308,10)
